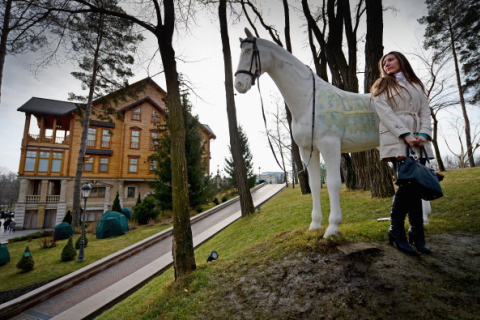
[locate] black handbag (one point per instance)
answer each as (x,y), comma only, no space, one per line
(423,179)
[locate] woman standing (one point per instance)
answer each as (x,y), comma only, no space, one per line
(404,114)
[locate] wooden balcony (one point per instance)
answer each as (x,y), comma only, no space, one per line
(36,138)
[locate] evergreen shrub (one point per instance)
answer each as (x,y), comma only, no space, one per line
(77,243)
(68,217)
(69,253)
(26,263)
(146,210)
(116,204)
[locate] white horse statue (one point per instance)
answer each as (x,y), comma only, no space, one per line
(343,122)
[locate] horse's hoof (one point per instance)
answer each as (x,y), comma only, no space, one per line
(331,230)
(315,226)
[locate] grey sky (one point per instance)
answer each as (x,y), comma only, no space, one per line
(202,64)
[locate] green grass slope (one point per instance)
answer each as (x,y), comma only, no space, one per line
(256,244)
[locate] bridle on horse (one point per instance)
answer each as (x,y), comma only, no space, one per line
(258,71)
(255,59)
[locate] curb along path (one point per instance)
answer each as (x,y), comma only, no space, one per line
(87,292)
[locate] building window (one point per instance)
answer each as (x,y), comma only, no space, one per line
(153,140)
(136,114)
(94,215)
(88,165)
(97,192)
(131,192)
(153,165)
(155,116)
(106,138)
(132,164)
(135,139)
(92,133)
(30,160)
(103,165)
(43,161)
(56,161)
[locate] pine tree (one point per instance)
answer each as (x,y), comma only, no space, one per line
(200,188)
(68,217)
(248,159)
(103,47)
(68,253)
(26,263)
(116,204)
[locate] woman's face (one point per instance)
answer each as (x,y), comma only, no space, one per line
(391,65)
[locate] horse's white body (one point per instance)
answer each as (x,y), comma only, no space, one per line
(344,121)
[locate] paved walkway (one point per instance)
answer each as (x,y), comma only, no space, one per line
(97,293)
(5,236)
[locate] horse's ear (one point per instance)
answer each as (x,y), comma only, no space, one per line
(249,34)
(241,40)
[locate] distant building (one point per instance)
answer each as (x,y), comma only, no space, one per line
(117,158)
(273,177)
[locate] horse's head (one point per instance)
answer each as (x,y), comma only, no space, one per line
(249,66)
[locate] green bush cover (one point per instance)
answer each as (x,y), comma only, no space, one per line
(127,212)
(63,231)
(112,224)
(4,255)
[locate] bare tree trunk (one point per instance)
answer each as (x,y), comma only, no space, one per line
(379,174)
(246,201)
(302,174)
(3,40)
(183,251)
(438,156)
(77,209)
(468,138)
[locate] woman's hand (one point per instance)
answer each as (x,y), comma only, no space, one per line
(411,140)
(420,141)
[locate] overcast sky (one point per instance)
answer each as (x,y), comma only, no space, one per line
(202,64)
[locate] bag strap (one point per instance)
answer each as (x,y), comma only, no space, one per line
(409,151)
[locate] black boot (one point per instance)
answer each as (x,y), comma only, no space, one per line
(396,234)
(416,233)
(418,239)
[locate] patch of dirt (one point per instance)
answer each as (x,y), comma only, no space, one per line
(12,294)
(371,281)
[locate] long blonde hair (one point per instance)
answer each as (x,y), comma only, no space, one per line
(388,83)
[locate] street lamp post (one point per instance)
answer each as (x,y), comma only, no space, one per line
(85,193)
(258,174)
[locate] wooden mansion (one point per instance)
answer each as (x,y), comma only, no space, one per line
(117,158)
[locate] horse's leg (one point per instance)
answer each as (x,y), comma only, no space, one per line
(427,210)
(331,154)
(315,186)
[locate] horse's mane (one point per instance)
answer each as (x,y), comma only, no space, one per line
(302,68)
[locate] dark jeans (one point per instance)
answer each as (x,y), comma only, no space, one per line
(406,201)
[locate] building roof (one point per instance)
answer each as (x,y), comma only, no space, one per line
(48,107)
(209,130)
(145,99)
